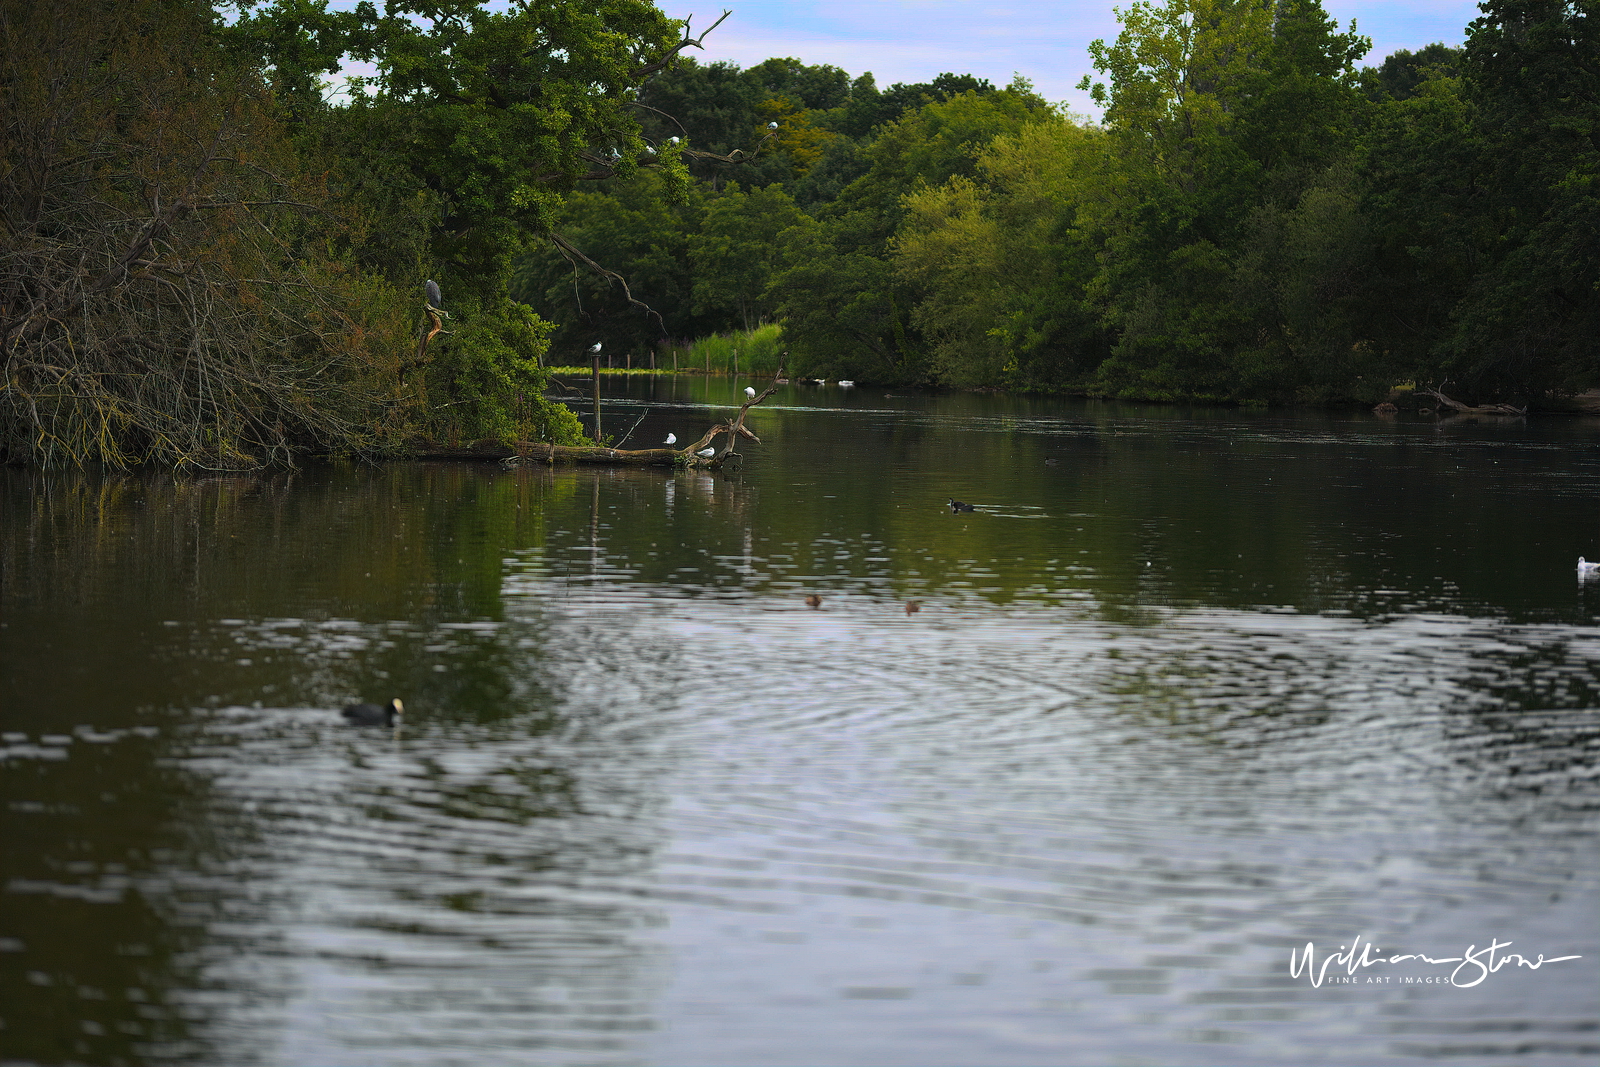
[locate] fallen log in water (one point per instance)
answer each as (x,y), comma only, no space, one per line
(1469,409)
(512,453)
(543,452)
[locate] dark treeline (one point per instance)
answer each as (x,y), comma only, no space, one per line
(1258,218)
(208,258)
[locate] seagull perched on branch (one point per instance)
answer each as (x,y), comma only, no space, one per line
(706,452)
(672,439)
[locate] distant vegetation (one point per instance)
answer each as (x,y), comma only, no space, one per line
(208,259)
(1257,219)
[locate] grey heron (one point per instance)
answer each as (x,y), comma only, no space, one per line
(431,291)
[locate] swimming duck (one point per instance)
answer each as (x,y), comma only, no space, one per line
(813,600)
(388,714)
(956,505)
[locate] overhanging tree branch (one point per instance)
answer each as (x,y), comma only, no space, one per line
(577,258)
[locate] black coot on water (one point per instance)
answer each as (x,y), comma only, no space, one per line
(388,714)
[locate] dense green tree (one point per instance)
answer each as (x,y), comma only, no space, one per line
(477,126)
(1420,180)
(735,254)
(842,314)
(1402,72)
(926,147)
(1532,312)
(1000,267)
(867,108)
(635,226)
(1219,110)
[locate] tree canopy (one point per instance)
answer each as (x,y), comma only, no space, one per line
(210,257)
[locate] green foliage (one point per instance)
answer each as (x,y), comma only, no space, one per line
(735,254)
(1401,75)
(1223,116)
(634,226)
(464,148)
(1532,312)
(757,351)
(999,266)
(846,311)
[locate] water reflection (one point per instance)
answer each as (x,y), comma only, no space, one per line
(1207,688)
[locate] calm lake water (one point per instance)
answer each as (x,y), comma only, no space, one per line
(1190,690)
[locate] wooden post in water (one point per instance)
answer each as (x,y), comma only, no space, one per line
(597,395)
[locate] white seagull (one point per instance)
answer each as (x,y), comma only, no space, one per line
(750,391)
(847,384)
(1585,567)
(672,438)
(706,452)
(595,347)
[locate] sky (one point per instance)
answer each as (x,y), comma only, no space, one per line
(1045,41)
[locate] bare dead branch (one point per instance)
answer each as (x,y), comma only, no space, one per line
(666,60)
(576,257)
(1468,409)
